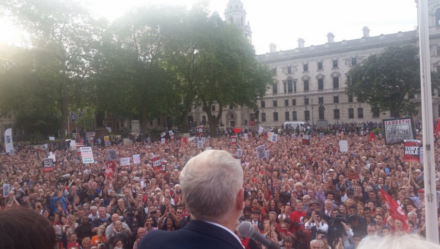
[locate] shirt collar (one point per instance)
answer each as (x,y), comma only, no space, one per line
(225,228)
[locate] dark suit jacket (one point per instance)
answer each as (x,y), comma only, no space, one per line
(196,235)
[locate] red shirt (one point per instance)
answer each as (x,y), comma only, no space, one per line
(297,217)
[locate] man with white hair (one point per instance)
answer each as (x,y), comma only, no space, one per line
(212,186)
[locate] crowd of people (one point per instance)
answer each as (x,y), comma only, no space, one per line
(303,196)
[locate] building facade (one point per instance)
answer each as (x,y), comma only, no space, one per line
(308,76)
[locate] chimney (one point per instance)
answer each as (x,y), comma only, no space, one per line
(301,43)
(330,38)
(366,32)
(273,48)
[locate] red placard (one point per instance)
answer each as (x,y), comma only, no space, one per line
(306,139)
(233,140)
(200,130)
(110,167)
(412,151)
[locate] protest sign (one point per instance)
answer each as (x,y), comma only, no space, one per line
(399,129)
(48,165)
(137,159)
(203,139)
(239,153)
(293,136)
(87,155)
(196,140)
(171,135)
(110,167)
(162,140)
(269,136)
(9,147)
(412,153)
(274,138)
(183,141)
(267,154)
(200,130)
(261,152)
(306,139)
(125,161)
(6,189)
(246,136)
(260,129)
(321,134)
(72,145)
(233,140)
(112,155)
(343,145)
(107,141)
(200,145)
(51,138)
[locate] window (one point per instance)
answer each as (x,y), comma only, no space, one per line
(335,82)
(275,116)
(285,86)
(360,112)
(263,117)
(319,65)
(213,107)
(306,86)
(289,69)
(287,116)
(274,71)
(306,67)
(353,61)
(306,101)
(375,111)
(294,116)
(320,84)
(275,88)
(336,113)
(335,99)
(350,113)
(290,86)
(321,100)
(263,104)
(350,98)
(293,102)
(335,63)
(437,17)
(286,102)
(294,86)
(275,103)
(307,115)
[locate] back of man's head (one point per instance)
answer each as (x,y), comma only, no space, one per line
(210,183)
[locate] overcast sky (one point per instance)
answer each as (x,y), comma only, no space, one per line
(282,22)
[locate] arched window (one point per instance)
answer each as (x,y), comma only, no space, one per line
(437,17)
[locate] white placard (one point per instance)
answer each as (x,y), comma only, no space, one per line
(51,138)
(200,145)
(137,159)
(162,140)
(239,153)
(125,161)
(261,152)
(87,155)
(274,138)
(343,145)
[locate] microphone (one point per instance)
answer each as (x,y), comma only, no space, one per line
(246,230)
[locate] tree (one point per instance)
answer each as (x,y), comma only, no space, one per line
(386,80)
(63,37)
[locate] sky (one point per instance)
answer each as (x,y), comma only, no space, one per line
(282,22)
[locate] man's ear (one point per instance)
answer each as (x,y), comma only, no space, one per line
(240,199)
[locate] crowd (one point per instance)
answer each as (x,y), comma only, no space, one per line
(300,194)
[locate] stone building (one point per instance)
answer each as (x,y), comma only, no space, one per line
(307,76)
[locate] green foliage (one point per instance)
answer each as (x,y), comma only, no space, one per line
(385,80)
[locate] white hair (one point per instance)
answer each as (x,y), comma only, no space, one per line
(210,183)
(408,241)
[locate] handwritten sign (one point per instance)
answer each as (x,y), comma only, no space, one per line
(125,161)
(137,159)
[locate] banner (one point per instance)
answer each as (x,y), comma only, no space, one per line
(125,161)
(112,155)
(137,159)
(343,145)
(274,138)
(47,165)
(87,155)
(306,139)
(233,140)
(9,147)
(261,152)
(110,167)
(398,130)
(239,153)
(412,152)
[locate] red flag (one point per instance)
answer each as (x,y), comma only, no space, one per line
(236,130)
(437,130)
(372,136)
(395,210)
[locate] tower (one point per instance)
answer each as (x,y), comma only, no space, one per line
(236,14)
